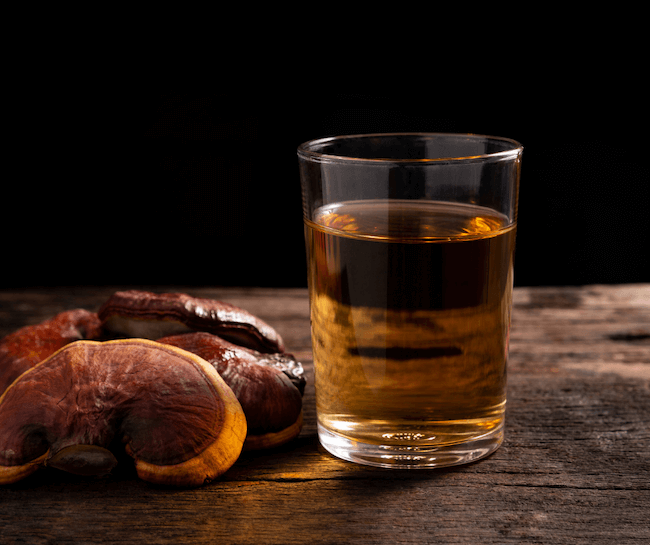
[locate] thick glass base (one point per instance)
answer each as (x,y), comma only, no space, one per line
(410,457)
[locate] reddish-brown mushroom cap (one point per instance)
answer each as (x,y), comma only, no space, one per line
(149,315)
(181,423)
(30,345)
(268,386)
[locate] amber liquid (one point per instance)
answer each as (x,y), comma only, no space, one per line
(410,313)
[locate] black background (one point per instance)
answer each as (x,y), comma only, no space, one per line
(203,189)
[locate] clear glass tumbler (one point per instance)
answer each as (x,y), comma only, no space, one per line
(410,241)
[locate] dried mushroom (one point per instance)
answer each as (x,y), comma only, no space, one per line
(268,386)
(149,315)
(68,403)
(178,420)
(30,345)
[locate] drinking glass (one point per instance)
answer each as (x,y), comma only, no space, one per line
(410,240)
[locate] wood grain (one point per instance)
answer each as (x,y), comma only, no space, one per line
(574,467)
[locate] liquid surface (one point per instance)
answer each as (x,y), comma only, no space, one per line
(410,221)
(410,310)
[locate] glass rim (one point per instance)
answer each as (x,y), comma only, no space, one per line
(305,150)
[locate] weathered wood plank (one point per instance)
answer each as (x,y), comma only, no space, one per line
(574,467)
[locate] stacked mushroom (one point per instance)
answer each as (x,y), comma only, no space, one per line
(185,383)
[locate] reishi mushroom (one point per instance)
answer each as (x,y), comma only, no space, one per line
(268,386)
(149,315)
(31,344)
(72,434)
(179,421)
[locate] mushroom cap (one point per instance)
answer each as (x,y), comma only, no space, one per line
(136,313)
(31,344)
(268,386)
(180,422)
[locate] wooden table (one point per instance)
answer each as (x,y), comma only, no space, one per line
(574,467)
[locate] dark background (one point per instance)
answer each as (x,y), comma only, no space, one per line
(203,189)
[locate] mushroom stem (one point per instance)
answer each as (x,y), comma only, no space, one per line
(83,460)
